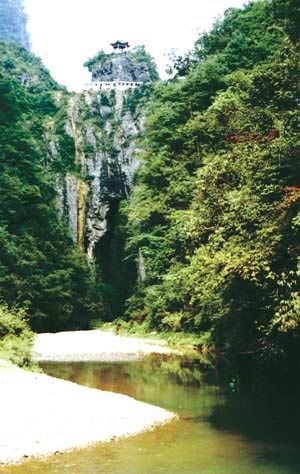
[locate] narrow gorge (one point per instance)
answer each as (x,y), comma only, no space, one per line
(105,123)
(207,246)
(85,148)
(105,134)
(157,208)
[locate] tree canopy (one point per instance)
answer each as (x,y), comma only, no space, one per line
(41,269)
(214,214)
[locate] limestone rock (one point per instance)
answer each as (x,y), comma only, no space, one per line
(106,154)
(121,67)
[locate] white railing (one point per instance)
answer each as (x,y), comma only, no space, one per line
(107,85)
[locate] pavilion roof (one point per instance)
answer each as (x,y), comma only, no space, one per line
(120,44)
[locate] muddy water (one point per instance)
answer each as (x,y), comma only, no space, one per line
(220,430)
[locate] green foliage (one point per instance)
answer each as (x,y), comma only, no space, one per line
(287,14)
(64,159)
(115,273)
(215,212)
(16,338)
(136,99)
(99,58)
(13,22)
(211,232)
(243,38)
(17,62)
(140,54)
(40,266)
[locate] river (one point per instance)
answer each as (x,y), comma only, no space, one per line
(222,429)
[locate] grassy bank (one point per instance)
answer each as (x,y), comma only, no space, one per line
(187,343)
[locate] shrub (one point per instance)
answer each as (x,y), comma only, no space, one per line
(16,338)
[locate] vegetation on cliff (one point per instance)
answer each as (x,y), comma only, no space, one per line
(138,55)
(51,141)
(215,212)
(41,269)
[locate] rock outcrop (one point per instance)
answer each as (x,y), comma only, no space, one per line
(103,126)
(121,67)
(105,132)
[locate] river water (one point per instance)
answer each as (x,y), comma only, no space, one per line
(222,429)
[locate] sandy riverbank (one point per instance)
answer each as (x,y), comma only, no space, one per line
(94,345)
(41,415)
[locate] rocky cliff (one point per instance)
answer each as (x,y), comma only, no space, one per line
(134,65)
(85,153)
(121,67)
(105,127)
(13,22)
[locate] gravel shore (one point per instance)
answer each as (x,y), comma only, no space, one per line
(42,415)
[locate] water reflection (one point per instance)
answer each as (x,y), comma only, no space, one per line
(221,430)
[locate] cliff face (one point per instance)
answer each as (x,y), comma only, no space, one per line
(121,67)
(134,65)
(13,22)
(40,267)
(105,128)
(67,160)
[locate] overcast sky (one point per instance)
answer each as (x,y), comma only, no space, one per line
(65,33)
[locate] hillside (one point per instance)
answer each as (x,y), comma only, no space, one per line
(67,161)
(214,216)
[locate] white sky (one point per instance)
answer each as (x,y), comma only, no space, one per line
(65,33)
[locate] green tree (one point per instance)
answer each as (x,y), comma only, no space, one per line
(41,269)
(215,210)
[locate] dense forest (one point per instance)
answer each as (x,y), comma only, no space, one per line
(210,233)
(42,269)
(215,210)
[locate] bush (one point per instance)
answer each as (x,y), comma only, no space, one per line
(16,338)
